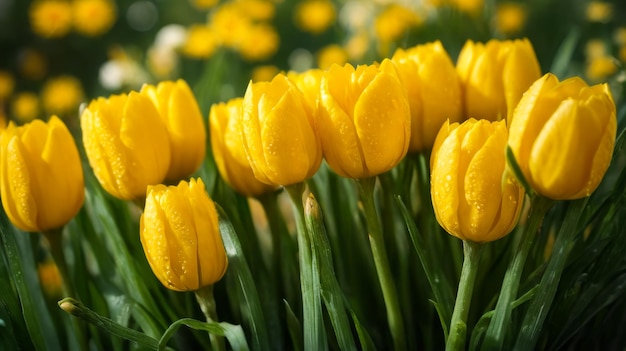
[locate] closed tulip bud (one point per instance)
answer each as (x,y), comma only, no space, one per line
(230,157)
(309,84)
(495,75)
(363,119)
(278,132)
(41,178)
(433,88)
(473,195)
(126,143)
(562,136)
(179,111)
(179,231)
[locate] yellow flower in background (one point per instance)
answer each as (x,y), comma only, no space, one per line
(93,17)
(32,64)
(50,18)
(473,195)
(314,16)
(264,73)
(180,235)
(230,156)
(473,7)
(7,84)
(41,177)
(25,107)
(256,10)
(181,115)
(562,136)
(201,42)
(278,132)
(599,11)
(332,54)
(394,21)
(357,45)
(229,24)
(62,95)
(204,4)
(495,75)
(50,279)
(363,119)
(600,68)
(260,43)
(510,17)
(127,144)
(434,91)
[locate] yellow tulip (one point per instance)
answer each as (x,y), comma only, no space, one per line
(309,84)
(562,136)
(495,75)
(41,177)
(181,115)
(278,132)
(363,119)
(126,143)
(230,157)
(179,231)
(473,195)
(434,91)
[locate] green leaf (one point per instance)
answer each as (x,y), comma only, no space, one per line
(331,292)
(294,327)
(23,273)
(246,289)
(563,58)
(443,295)
(233,333)
(367,344)
(77,309)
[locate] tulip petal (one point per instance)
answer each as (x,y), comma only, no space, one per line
(444,184)
(17,201)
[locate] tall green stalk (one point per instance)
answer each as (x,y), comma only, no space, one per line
(313,320)
(458,325)
(381,261)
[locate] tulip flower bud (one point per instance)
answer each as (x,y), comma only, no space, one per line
(562,136)
(473,195)
(434,91)
(363,119)
(181,115)
(230,157)
(126,143)
(41,176)
(179,231)
(495,75)
(309,84)
(278,132)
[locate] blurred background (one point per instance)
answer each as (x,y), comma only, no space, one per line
(56,54)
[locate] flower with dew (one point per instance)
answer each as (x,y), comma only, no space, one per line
(41,176)
(278,132)
(180,235)
(127,144)
(363,119)
(433,88)
(495,75)
(474,197)
(562,136)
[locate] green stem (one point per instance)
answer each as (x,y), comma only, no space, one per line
(496,332)
(313,321)
(278,230)
(55,240)
(541,303)
(379,253)
(458,325)
(207,305)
